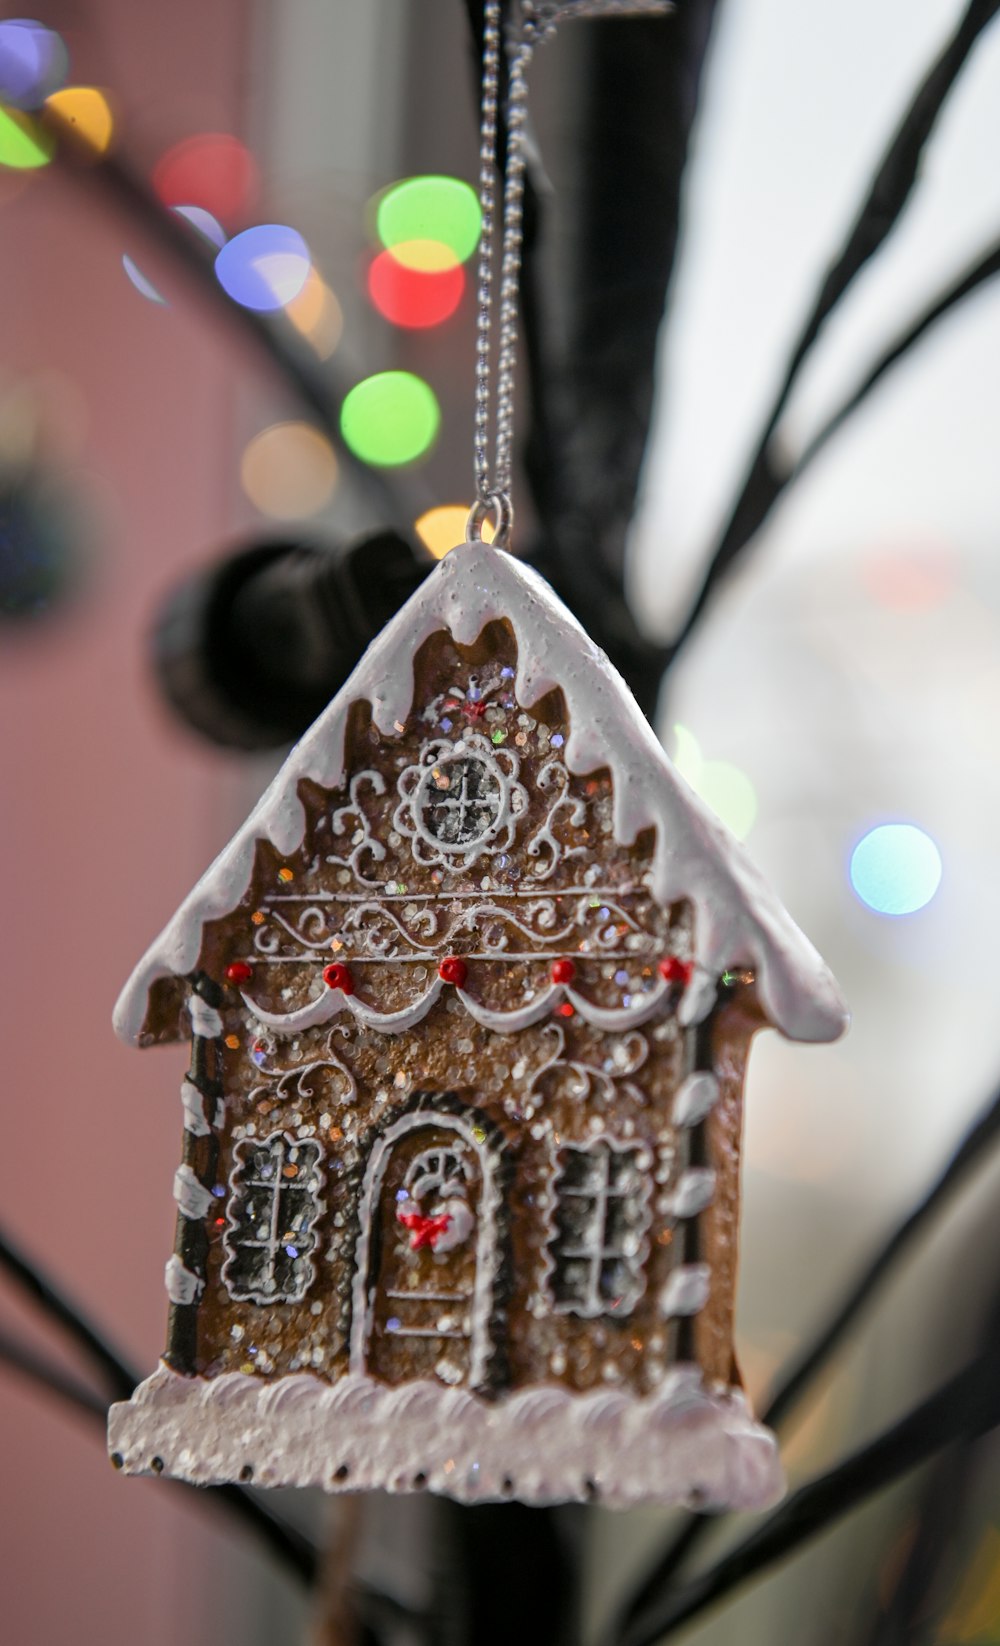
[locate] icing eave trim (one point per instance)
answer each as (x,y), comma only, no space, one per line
(739,921)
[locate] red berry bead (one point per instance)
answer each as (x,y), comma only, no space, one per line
(563,971)
(338,976)
(453,970)
(676,970)
(239,972)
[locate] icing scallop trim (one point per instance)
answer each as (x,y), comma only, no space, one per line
(739,921)
(334,1001)
(685,1444)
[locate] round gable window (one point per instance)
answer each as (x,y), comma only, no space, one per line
(460,802)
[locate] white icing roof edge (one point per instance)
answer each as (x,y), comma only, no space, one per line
(739,923)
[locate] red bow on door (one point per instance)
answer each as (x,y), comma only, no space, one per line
(424,1231)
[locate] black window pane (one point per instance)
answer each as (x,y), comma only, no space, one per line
(571,1281)
(581,1169)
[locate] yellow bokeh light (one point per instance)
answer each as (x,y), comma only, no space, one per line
(86,111)
(289,471)
(426,256)
(316,313)
(440,530)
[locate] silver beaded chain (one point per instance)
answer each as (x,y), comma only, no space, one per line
(538,22)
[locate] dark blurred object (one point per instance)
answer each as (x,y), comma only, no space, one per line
(42,556)
(250,651)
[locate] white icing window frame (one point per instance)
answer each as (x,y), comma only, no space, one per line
(241,1183)
(413,784)
(598,1250)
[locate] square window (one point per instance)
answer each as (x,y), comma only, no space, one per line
(269,1238)
(600,1223)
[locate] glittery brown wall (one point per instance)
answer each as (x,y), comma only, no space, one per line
(373,887)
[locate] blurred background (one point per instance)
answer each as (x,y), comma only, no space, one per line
(839,704)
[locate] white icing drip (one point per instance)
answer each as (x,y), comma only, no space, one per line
(205,1020)
(697,1000)
(694,1191)
(739,922)
(192,1197)
(686,1290)
(194,1110)
(696,1098)
(540,1445)
(182,1286)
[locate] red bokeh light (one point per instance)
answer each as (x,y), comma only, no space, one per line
(913,578)
(414,298)
(211,170)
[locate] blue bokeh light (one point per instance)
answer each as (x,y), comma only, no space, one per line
(264,267)
(34,62)
(896,868)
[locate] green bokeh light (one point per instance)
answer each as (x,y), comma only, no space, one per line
(724,787)
(441,209)
(24,143)
(389,419)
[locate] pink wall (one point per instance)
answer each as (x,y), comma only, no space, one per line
(108,815)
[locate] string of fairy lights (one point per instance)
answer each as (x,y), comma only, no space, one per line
(423,232)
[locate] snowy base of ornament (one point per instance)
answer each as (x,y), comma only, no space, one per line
(684,1445)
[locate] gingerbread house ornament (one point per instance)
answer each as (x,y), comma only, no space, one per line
(469,998)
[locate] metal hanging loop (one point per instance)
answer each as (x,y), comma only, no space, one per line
(498,506)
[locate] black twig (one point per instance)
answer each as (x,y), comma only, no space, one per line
(620,227)
(767,476)
(807,1367)
(119,1378)
(976,274)
(966,1406)
(970,1153)
(23,1358)
(285,1542)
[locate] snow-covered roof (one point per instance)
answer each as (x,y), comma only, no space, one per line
(739,923)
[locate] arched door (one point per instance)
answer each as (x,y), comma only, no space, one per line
(426,1254)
